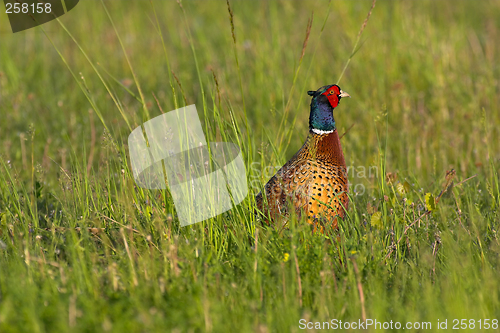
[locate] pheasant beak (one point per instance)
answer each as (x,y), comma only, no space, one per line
(344,94)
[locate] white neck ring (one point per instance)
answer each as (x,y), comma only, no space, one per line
(321,132)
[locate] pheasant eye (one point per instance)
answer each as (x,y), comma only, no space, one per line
(332,92)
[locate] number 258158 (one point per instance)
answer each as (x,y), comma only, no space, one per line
(28,8)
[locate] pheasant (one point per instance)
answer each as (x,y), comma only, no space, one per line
(314,180)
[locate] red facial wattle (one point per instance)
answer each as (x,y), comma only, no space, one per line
(333,95)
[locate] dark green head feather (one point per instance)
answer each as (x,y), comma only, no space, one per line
(323,101)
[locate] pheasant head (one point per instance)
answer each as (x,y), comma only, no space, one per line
(324,100)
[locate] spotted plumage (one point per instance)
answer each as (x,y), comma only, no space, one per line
(314,181)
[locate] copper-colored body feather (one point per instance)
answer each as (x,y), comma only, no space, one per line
(313,182)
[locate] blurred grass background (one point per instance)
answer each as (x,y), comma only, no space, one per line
(425,86)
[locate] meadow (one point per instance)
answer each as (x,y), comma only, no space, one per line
(83,249)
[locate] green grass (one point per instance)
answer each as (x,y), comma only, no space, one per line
(83,249)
